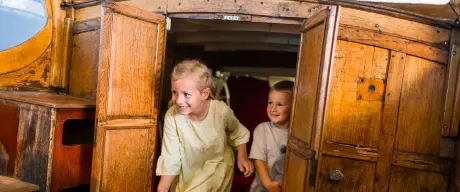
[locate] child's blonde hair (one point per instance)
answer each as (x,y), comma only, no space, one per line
(284,86)
(197,71)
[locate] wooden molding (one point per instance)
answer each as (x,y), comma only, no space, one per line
(349,151)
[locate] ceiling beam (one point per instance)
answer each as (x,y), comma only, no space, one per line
(188,25)
(237,37)
(249,47)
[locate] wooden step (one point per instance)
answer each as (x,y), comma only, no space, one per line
(8,184)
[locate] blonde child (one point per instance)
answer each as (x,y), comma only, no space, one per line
(270,139)
(199,134)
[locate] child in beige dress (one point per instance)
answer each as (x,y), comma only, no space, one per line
(199,136)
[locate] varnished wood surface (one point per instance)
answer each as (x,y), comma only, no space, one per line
(390,119)
(358,175)
(404,179)
(351,117)
(274,8)
(386,24)
(71,165)
(85,58)
(378,39)
(8,184)
(422,162)
(130,60)
(349,151)
(47,99)
(420,112)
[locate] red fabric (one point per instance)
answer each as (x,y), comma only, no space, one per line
(248,100)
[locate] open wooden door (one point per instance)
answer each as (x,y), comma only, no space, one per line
(319,34)
(131,56)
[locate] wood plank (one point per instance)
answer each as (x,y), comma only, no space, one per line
(8,184)
(422,162)
(186,25)
(352,117)
(404,179)
(358,175)
(455,121)
(300,148)
(309,76)
(390,120)
(386,24)
(370,37)
(455,4)
(9,116)
(62,21)
(86,26)
(117,123)
(447,147)
(88,13)
(249,47)
(297,169)
(134,13)
(349,151)
(119,148)
(92,12)
(34,142)
(420,113)
(83,69)
(236,37)
(274,8)
(47,99)
(442,11)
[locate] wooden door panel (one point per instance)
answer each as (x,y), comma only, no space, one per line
(297,175)
(128,165)
(420,113)
(129,77)
(355,100)
(405,179)
(358,175)
(315,54)
(307,85)
(132,95)
(129,62)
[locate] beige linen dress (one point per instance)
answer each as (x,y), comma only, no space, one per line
(200,152)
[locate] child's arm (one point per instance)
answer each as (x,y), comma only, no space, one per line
(165,183)
(262,171)
(244,164)
(169,162)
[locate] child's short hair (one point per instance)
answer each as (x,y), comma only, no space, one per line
(284,86)
(197,70)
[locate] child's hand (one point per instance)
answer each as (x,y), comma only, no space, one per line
(273,186)
(245,166)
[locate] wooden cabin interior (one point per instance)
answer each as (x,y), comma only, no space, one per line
(376,104)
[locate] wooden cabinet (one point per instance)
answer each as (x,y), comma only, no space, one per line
(129,80)
(375,106)
(46,139)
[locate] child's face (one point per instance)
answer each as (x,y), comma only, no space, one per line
(279,107)
(186,95)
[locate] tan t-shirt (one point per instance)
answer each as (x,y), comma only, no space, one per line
(269,145)
(200,152)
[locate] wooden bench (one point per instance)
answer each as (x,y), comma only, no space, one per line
(8,184)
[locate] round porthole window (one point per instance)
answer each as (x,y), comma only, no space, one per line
(20,20)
